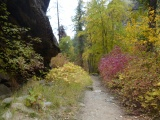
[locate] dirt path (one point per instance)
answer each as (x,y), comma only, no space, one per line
(100,105)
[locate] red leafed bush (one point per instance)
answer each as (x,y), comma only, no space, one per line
(113,63)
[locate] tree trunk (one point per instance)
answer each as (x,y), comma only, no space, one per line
(152,22)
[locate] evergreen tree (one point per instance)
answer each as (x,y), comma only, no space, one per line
(79,24)
(62,32)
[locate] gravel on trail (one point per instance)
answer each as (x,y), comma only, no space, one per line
(99,104)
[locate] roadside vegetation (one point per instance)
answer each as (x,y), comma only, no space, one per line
(37,94)
(135,79)
(62,89)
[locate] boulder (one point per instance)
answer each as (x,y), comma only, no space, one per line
(7,100)
(7,115)
(4,91)
(90,88)
(21,99)
(4,79)
(47,104)
(22,107)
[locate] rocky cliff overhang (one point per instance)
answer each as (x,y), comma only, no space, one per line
(32,14)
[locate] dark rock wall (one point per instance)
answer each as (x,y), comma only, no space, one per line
(32,14)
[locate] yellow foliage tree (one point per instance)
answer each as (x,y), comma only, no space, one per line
(103,22)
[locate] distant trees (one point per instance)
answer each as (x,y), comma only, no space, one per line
(62,32)
(79,38)
(103,24)
(66,47)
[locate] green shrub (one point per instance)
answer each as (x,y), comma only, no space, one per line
(17,57)
(34,100)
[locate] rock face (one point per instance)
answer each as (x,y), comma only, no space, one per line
(32,14)
(4,91)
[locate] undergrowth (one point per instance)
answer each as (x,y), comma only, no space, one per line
(18,60)
(64,87)
(113,63)
(140,85)
(68,81)
(136,80)
(58,61)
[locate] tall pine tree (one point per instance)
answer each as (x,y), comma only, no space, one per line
(79,39)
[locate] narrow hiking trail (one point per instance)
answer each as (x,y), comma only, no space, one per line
(98,104)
